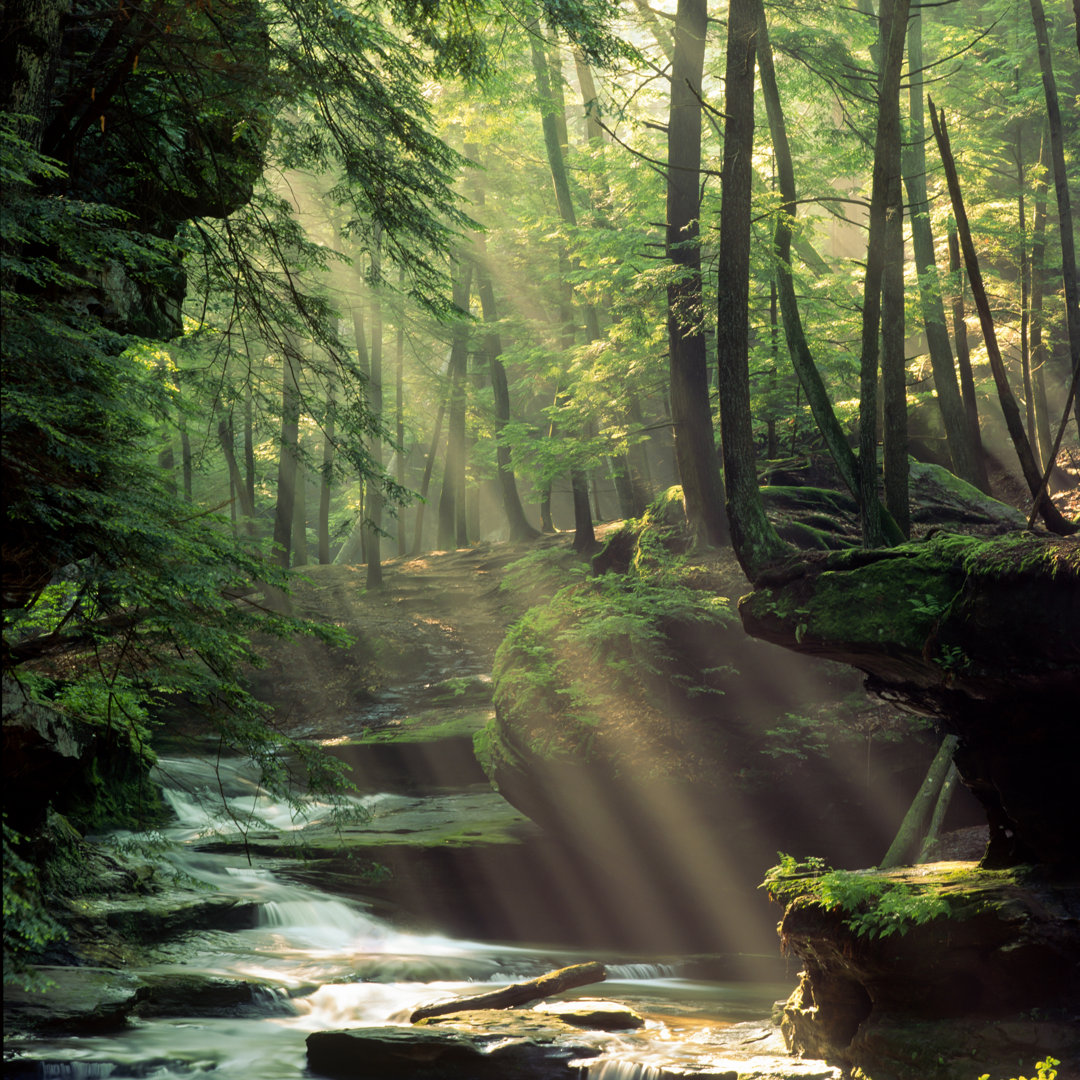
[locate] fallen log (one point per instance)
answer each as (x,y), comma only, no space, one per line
(554,982)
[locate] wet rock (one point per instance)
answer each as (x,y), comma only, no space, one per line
(76,1000)
(430,1053)
(184,994)
(927,998)
(594,1015)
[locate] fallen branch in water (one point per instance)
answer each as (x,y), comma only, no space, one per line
(554,982)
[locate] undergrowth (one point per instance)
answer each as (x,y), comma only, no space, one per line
(876,906)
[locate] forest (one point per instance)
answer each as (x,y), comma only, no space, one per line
(498,489)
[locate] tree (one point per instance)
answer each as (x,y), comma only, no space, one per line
(753,537)
(691,415)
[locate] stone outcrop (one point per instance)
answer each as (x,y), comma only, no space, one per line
(982,635)
(991,982)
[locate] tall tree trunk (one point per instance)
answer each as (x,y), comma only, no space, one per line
(249,442)
(550,116)
(517,524)
(361,530)
(963,361)
(425,482)
(1050,514)
(695,447)
(399,413)
(1038,289)
(452,498)
(185,458)
(798,348)
(374,493)
(287,458)
(663,38)
(1025,301)
(325,475)
(299,523)
(883,211)
(961,448)
(755,541)
(1061,190)
(225,438)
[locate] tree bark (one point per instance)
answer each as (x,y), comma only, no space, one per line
(247,511)
(957,433)
(753,537)
(1061,190)
(509,997)
(425,483)
(963,361)
(374,493)
(452,498)
(1049,512)
(287,458)
(399,413)
(695,446)
(325,474)
(299,522)
(884,186)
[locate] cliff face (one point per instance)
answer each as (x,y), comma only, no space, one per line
(982,635)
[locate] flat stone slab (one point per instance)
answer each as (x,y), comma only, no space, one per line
(76,999)
(428,1053)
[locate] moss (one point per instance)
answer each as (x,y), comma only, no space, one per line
(422,729)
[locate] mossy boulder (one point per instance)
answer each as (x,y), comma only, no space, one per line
(983,635)
(955,995)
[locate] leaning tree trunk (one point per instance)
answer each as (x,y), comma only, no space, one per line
(755,541)
(963,360)
(1050,514)
(957,434)
(695,447)
(1061,190)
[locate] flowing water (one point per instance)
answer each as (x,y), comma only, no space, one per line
(318,962)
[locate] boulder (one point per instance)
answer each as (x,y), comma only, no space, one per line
(429,1052)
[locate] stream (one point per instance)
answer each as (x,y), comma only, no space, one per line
(318,962)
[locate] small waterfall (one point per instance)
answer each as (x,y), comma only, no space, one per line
(623,972)
(623,1070)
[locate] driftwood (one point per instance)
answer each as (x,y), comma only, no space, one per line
(554,982)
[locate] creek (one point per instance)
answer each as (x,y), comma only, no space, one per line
(320,962)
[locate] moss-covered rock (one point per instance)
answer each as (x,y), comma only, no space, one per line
(952,996)
(984,635)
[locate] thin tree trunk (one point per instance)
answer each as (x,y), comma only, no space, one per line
(517,524)
(1050,514)
(957,433)
(941,807)
(894,15)
(374,494)
(663,38)
(1025,302)
(753,537)
(287,458)
(695,447)
(963,361)
(550,118)
(299,523)
(185,457)
(1038,289)
(247,511)
(913,826)
(399,413)
(798,348)
(1061,190)
(425,482)
(452,498)
(249,442)
(325,476)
